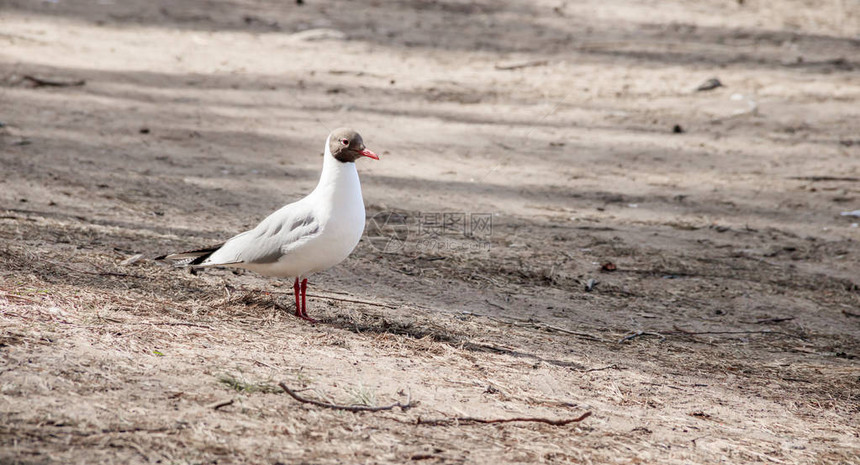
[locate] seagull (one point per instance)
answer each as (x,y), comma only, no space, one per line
(304,237)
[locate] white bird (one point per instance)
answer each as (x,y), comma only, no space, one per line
(304,237)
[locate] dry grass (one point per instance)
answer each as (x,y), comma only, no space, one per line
(109,349)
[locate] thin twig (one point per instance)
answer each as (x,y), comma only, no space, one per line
(530,323)
(763,331)
(18,297)
(349,408)
(567,331)
(527,64)
(148,323)
(494,305)
(608,367)
(766,321)
(824,178)
(171,323)
(41,82)
(121,275)
(641,333)
(461,420)
(355,301)
(16,315)
(220,404)
(13,217)
(342,299)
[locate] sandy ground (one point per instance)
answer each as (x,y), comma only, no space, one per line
(543,131)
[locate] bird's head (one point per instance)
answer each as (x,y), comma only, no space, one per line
(347,146)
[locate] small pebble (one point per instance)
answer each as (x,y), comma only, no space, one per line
(710,84)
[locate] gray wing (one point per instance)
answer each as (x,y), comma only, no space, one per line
(272,239)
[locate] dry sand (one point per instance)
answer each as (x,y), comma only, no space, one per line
(736,282)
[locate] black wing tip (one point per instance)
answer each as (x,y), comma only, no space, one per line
(200,259)
(201,255)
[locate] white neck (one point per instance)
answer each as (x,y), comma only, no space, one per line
(339,181)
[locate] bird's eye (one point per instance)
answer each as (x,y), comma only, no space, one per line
(344,141)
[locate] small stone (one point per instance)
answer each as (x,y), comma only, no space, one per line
(710,84)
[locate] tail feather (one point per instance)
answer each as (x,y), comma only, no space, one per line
(191,257)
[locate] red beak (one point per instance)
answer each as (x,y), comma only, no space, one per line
(369,154)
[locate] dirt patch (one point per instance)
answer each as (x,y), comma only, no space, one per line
(525,145)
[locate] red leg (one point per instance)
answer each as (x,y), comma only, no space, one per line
(297,292)
(304,304)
